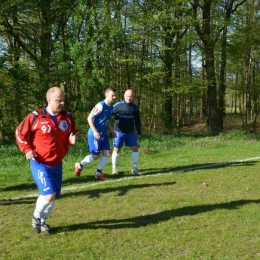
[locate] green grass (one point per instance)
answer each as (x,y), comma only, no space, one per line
(211,212)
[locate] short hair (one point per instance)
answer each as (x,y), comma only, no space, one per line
(110,89)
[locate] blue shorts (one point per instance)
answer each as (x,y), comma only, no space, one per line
(129,139)
(48,179)
(95,146)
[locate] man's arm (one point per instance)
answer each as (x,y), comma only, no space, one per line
(72,136)
(95,111)
(138,124)
(92,126)
(23,136)
(111,129)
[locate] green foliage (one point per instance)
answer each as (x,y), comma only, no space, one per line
(150,46)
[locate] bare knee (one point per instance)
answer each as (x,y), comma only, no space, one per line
(50,197)
(134,148)
(95,156)
(116,149)
(106,153)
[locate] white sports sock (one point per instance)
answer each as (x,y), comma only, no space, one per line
(47,211)
(87,160)
(114,159)
(102,162)
(41,205)
(135,158)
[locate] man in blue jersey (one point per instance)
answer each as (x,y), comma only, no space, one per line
(127,120)
(98,141)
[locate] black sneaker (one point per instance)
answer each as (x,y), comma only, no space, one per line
(36,223)
(45,228)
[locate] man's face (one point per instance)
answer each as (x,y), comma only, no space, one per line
(129,96)
(56,101)
(110,97)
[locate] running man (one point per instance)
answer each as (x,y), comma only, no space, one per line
(98,141)
(44,136)
(127,119)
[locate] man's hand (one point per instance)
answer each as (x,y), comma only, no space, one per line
(30,155)
(72,139)
(96,135)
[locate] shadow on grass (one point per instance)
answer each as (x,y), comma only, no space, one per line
(32,186)
(150,171)
(8,202)
(195,167)
(142,221)
(23,186)
(121,190)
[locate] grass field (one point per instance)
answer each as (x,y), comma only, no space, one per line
(198,198)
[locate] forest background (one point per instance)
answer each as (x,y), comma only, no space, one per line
(187,61)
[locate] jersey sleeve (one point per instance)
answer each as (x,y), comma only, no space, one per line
(115,108)
(138,123)
(23,133)
(97,109)
(74,129)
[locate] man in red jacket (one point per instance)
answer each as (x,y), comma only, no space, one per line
(44,137)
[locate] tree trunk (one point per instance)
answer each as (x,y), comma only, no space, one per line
(213,121)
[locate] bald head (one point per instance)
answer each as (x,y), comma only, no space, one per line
(129,96)
(53,90)
(55,99)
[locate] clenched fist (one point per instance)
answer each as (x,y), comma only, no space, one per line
(72,139)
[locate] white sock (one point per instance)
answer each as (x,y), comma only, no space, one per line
(47,211)
(114,159)
(102,162)
(135,158)
(41,205)
(87,160)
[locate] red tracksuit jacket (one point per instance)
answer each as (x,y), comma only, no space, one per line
(50,141)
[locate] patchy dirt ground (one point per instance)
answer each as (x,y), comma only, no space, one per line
(231,122)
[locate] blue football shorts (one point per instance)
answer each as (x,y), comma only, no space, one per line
(95,146)
(129,139)
(48,179)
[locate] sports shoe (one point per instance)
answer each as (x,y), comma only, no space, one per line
(78,169)
(115,172)
(135,171)
(100,176)
(36,223)
(45,228)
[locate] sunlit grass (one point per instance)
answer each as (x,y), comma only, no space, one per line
(205,207)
